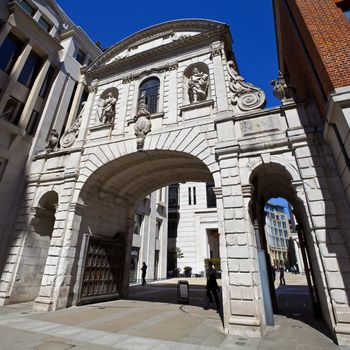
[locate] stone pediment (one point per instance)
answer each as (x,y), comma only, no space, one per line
(155,39)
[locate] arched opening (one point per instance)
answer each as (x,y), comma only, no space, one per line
(286,250)
(126,207)
(35,251)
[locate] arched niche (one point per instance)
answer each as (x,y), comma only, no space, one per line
(196,83)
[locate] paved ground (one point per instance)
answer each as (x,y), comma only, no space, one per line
(152,319)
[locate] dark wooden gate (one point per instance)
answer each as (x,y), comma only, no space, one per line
(103,270)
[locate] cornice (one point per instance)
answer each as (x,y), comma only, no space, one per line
(95,70)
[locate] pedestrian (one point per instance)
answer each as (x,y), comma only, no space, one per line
(212,287)
(282,280)
(144,270)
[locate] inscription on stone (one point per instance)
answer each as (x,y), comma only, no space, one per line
(256,126)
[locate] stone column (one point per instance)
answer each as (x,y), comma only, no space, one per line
(76,104)
(243,289)
(5,30)
(33,95)
(13,76)
(219,76)
(172,95)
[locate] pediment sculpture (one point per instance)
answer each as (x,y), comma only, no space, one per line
(244,95)
(198,86)
(52,142)
(108,109)
(281,89)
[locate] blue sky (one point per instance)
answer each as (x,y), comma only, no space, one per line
(251,24)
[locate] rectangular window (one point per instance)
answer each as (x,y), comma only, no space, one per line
(194,196)
(30,70)
(173,220)
(33,123)
(137,223)
(27,8)
(158,228)
(9,52)
(189,196)
(173,196)
(13,110)
(44,24)
(80,56)
(47,82)
(211,198)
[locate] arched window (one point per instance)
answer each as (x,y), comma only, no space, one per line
(149,91)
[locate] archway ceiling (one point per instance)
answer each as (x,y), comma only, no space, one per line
(140,173)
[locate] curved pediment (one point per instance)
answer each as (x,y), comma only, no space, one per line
(157,37)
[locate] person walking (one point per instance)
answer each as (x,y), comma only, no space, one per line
(282,280)
(212,287)
(144,270)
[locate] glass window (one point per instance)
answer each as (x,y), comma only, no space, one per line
(158,228)
(33,123)
(194,196)
(211,198)
(44,24)
(149,94)
(189,196)
(30,70)
(47,82)
(80,56)
(9,52)
(173,199)
(173,220)
(133,264)
(137,224)
(27,7)
(13,110)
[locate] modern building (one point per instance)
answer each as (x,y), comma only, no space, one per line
(167,105)
(278,234)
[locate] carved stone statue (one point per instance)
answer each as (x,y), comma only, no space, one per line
(198,86)
(142,123)
(52,142)
(71,133)
(108,110)
(280,88)
(8,114)
(245,95)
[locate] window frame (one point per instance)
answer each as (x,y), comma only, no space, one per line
(27,9)
(149,94)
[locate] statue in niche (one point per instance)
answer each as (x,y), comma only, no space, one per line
(245,95)
(198,86)
(72,132)
(108,109)
(142,123)
(281,90)
(52,142)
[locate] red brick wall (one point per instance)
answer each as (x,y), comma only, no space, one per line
(316,33)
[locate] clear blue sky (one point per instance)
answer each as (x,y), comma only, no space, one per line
(251,24)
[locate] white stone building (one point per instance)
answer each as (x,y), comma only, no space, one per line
(168,105)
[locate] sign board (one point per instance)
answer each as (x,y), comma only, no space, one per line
(183,292)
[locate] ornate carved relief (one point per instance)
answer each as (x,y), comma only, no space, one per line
(198,86)
(245,95)
(52,142)
(71,133)
(93,87)
(281,89)
(142,124)
(108,109)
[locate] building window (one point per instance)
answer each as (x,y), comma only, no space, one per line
(44,24)
(211,198)
(189,196)
(158,228)
(30,70)
(173,220)
(137,223)
(173,198)
(149,94)
(192,198)
(47,82)
(133,264)
(33,123)
(13,110)
(9,52)
(80,56)
(27,8)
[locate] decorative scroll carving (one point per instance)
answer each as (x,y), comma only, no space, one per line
(173,66)
(245,95)
(142,123)
(198,86)
(93,87)
(71,133)
(52,142)
(108,109)
(281,89)
(128,80)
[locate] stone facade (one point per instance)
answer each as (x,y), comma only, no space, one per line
(155,136)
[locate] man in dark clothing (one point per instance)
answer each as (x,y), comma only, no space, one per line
(212,287)
(144,270)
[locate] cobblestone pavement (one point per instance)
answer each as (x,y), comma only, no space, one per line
(152,319)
